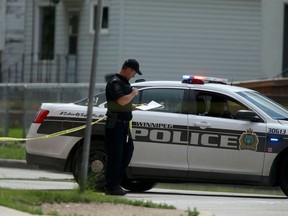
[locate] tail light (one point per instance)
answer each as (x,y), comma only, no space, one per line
(40,116)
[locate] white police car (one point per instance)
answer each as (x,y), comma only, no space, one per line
(204,131)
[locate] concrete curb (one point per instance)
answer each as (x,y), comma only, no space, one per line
(21,164)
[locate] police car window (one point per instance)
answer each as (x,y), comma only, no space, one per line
(217,105)
(170,98)
(271,108)
(99,100)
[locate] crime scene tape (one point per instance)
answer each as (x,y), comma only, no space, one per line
(59,133)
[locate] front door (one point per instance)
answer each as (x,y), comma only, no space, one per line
(160,135)
(221,146)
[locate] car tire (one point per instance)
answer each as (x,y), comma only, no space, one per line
(137,186)
(284,176)
(96,167)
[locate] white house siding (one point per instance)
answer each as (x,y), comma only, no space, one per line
(212,37)
(236,39)
(272,37)
(13,35)
(108,43)
(2,24)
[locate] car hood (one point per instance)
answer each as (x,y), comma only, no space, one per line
(283,122)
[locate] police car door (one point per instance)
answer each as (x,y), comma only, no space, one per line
(222,146)
(160,134)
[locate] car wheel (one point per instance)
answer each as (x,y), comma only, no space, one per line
(137,186)
(96,166)
(284,177)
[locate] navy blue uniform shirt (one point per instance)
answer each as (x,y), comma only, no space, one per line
(118,87)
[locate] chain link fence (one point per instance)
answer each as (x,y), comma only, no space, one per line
(20,102)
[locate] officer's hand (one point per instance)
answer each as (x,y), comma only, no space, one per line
(135,91)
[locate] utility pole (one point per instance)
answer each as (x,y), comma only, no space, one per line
(87,138)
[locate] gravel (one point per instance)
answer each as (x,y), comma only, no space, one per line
(107,209)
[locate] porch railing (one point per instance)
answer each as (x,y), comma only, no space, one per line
(28,68)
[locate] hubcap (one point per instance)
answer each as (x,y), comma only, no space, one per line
(97,166)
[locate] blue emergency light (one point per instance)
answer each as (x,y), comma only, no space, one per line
(274,139)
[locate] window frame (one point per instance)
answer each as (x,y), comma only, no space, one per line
(229,100)
(138,99)
(37,33)
(103,31)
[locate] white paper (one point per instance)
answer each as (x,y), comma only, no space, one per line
(149,106)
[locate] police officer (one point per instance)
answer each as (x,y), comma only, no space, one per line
(118,141)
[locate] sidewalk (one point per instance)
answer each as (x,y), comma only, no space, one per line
(12,212)
(21,164)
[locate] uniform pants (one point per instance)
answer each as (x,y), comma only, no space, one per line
(119,153)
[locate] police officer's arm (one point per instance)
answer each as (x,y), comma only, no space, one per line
(127,98)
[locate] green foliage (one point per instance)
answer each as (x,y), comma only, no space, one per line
(193,213)
(15,132)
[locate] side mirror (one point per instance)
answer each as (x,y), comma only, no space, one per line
(140,80)
(248,115)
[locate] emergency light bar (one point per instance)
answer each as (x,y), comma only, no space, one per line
(191,79)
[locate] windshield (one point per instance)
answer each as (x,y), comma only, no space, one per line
(99,100)
(270,107)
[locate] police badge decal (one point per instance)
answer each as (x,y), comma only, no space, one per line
(248,140)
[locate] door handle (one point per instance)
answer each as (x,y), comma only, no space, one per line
(202,125)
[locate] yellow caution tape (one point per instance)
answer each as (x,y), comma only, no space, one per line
(130,124)
(59,133)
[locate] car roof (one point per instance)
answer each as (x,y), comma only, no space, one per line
(205,86)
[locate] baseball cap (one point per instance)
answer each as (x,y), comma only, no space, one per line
(132,63)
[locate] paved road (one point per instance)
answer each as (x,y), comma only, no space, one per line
(220,204)
(35,179)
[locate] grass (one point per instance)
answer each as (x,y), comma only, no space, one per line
(13,151)
(13,132)
(31,200)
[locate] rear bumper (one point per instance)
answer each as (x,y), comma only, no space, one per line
(44,162)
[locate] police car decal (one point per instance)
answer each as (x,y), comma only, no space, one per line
(213,138)
(276,131)
(249,140)
(78,114)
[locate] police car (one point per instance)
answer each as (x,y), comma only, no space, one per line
(204,130)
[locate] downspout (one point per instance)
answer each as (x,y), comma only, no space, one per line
(121,33)
(2,42)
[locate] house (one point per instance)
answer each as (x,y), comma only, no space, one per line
(235,39)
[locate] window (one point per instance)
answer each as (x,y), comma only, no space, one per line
(73,32)
(46,36)
(170,99)
(264,103)
(217,105)
(105,19)
(99,100)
